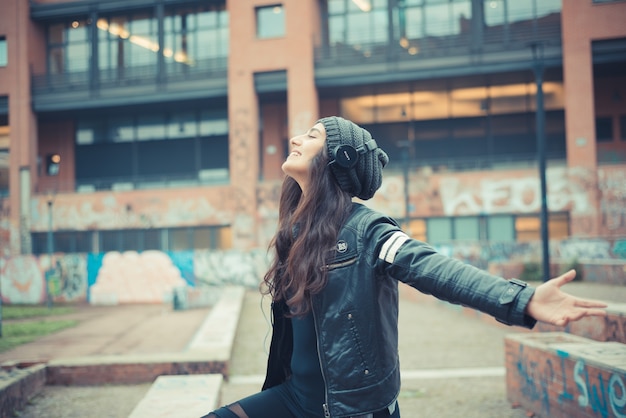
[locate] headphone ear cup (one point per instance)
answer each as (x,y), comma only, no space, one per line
(346,156)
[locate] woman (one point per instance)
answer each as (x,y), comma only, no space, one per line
(333,282)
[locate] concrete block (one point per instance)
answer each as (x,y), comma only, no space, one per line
(180,396)
(558,375)
(18,385)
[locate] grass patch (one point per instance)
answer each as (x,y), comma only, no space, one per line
(14,334)
(30,311)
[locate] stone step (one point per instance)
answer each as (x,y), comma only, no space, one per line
(559,375)
(189,396)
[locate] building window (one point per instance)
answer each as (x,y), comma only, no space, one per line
(63,242)
(127,41)
(495,228)
(173,239)
(358,24)
(528,228)
(199,238)
(604,129)
(622,127)
(163,149)
(3,52)
(53,164)
(270,21)
(69,49)
(193,34)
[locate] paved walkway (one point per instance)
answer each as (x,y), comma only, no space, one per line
(453,363)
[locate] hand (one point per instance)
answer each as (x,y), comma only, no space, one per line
(550,304)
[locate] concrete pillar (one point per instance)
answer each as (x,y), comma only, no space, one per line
(292,53)
(22,121)
(583,22)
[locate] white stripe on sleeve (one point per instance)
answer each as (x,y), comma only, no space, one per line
(390,248)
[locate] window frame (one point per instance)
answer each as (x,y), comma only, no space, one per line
(262,24)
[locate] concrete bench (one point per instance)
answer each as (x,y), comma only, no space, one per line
(189,396)
(559,375)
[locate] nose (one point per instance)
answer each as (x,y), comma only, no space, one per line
(296,140)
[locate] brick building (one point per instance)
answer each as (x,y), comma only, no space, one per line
(161,125)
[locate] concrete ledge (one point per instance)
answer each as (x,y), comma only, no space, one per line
(208,352)
(216,335)
(128,370)
(18,386)
(558,375)
(180,396)
(206,357)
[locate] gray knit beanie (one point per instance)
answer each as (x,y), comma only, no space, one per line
(358,167)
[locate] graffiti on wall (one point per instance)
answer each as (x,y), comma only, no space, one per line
(612,188)
(146,277)
(602,390)
(112,211)
(460,196)
(128,277)
(242,166)
(71,270)
(150,276)
(23,280)
(233,267)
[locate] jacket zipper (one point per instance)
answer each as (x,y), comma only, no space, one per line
(319,358)
(329,267)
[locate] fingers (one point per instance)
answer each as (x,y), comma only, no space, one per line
(589,303)
(579,314)
(565,278)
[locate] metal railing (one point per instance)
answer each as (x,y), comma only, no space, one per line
(129,76)
(501,38)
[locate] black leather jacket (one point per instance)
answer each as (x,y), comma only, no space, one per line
(356,315)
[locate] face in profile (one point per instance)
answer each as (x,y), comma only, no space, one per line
(302,149)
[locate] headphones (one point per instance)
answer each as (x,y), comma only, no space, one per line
(346,156)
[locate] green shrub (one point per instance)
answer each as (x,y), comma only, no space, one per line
(572,265)
(531,272)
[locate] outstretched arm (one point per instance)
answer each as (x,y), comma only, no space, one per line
(550,304)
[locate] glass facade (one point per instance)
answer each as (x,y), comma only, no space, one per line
(458,125)
(156,149)
(127,45)
(195,34)
(69,46)
(405,28)
(127,41)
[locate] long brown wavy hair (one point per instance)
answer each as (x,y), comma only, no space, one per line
(308,226)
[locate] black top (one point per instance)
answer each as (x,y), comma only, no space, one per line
(306,378)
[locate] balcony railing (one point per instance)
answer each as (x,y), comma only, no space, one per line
(129,76)
(516,36)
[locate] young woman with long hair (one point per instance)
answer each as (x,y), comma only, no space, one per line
(334,286)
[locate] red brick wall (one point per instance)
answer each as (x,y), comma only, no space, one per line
(127,373)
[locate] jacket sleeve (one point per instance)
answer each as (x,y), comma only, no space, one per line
(420,266)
